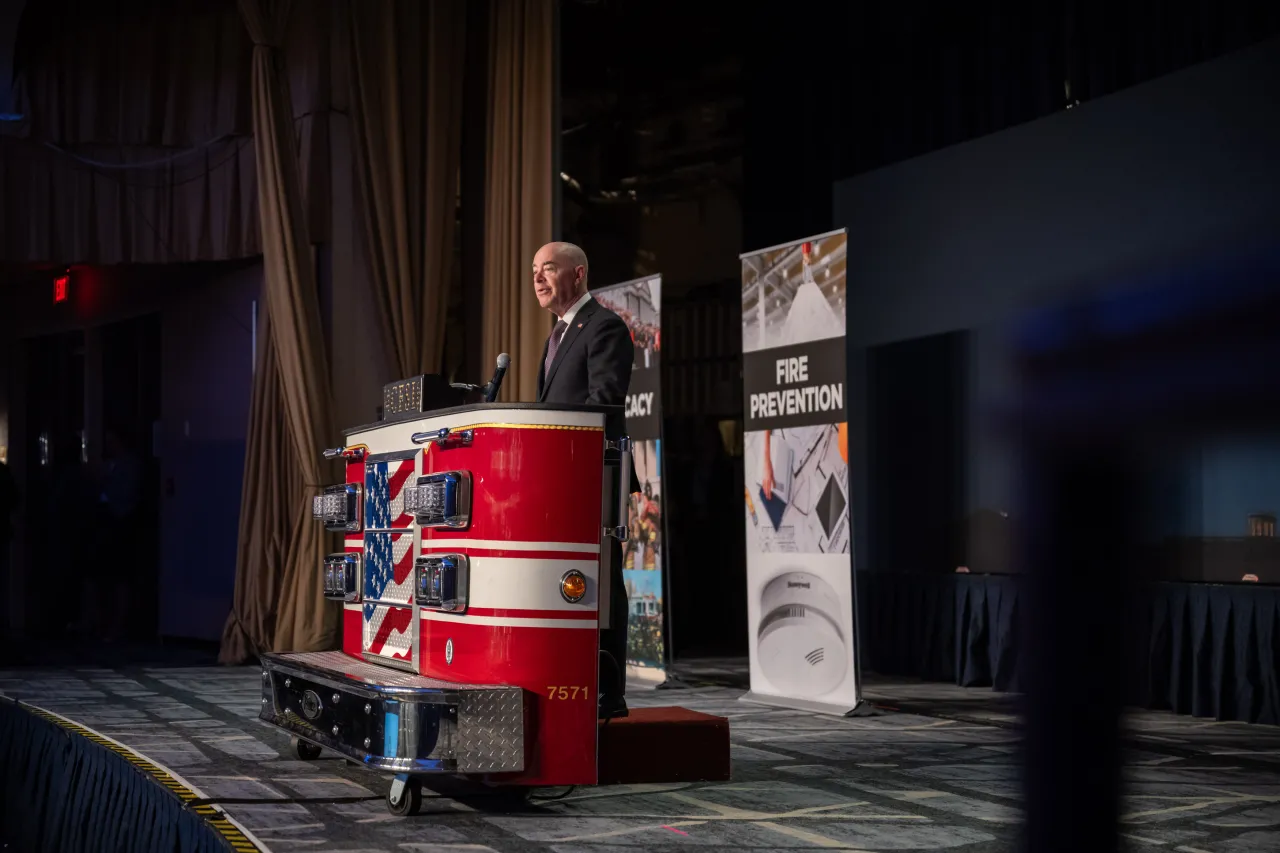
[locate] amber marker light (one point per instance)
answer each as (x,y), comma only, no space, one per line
(573,586)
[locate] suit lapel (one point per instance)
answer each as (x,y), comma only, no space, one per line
(542,379)
(570,335)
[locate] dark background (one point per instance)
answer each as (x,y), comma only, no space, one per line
(690,132)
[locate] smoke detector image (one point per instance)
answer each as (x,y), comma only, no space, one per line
(800,645)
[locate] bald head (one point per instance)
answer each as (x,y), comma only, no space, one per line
(559,276)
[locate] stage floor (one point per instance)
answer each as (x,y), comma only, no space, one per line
(937,772)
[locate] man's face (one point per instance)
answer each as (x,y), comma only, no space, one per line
(555,281)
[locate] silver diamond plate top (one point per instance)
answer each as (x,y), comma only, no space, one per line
(374,675)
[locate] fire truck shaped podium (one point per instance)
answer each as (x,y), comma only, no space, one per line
(471,586)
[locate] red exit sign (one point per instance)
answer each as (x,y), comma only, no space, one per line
(61,285)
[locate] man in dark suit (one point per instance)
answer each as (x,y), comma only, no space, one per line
(588,360)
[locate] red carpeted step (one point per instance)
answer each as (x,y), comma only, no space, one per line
(664,745)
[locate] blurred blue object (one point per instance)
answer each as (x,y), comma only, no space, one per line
(1187,349)
(1159,302)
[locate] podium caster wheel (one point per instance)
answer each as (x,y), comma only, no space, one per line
(303,749)
(405,797)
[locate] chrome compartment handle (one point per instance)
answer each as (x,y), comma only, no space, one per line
(444,438)
(623,446)
(356,452)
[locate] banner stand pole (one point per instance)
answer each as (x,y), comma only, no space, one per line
(672,681)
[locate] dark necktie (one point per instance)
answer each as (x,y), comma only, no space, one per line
(553,344)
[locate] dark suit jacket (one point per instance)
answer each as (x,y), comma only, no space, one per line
(592,366)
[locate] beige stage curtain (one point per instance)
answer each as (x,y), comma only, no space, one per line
(406,113)
(134,72)
(55,209)
(518,208)
(167,84)
(279,598)
(270,503)
(129,82)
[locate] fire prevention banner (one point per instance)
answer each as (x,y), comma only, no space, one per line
(796,457)
(639,304)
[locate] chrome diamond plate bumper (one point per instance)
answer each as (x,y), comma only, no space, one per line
(393,720)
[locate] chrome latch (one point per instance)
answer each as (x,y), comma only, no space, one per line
(354,453)
(444,438)
(623,446)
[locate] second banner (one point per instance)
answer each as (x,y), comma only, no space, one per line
(639,304)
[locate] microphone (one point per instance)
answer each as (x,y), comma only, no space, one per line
(491,390)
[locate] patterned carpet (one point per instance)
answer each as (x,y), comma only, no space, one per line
(937,770)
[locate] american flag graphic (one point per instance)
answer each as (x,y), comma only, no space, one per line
(384,484)
(387,631)
(388,556)
(388,567)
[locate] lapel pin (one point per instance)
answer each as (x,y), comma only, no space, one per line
(579,325)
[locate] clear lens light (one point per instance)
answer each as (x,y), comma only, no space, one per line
(425,499)
(440,500)
(442,582)
(342,577)
(338,507)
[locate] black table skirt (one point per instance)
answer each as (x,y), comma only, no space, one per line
(61,791)
(1200,649)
